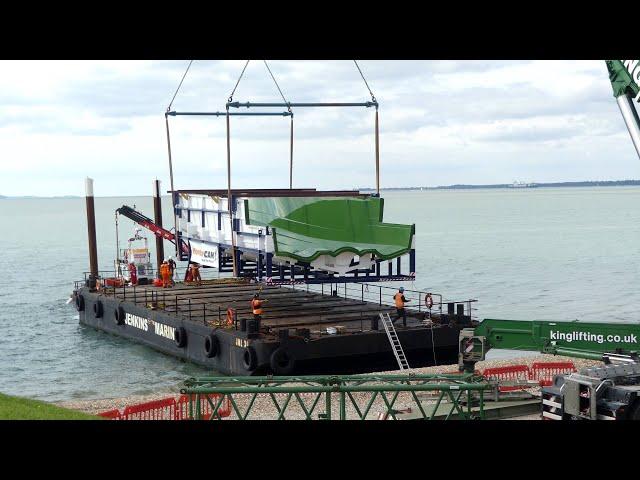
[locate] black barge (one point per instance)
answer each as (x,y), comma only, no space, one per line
(195,323)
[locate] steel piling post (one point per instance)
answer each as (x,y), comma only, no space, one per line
(91,230)
(157,211)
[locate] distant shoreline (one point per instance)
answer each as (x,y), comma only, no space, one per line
(603,183)
(26,197)
(610,183)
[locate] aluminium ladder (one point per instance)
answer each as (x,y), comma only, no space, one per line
(394,341)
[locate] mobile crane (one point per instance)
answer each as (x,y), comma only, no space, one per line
(607,392)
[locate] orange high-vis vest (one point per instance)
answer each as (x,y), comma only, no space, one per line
(256,305)
(398,298)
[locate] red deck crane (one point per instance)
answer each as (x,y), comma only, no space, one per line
(157,230)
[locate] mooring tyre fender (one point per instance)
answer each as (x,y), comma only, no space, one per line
(180,336)
(282,362)
(250,358)
(118,315)
(79,302)
(98,309)
(211,345)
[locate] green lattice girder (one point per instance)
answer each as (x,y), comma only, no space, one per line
(315,395)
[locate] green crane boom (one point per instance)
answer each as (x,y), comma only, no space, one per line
(625,81)
(573,339)
(625,77)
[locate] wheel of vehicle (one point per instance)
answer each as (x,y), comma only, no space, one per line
(634,413)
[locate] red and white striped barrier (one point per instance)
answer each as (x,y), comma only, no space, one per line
(540,372)
(544,372)
(170,409)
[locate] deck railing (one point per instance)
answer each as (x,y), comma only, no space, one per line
(383,295)
(216,315)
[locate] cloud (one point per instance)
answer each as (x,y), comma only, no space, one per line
(441,122)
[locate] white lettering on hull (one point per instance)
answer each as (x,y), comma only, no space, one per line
(164,330)
(136,321)
(143,324)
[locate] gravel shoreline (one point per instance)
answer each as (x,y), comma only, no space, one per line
(264,409)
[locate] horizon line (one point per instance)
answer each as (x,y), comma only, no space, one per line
(577,183)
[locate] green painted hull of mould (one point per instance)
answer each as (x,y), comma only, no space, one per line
(306,227)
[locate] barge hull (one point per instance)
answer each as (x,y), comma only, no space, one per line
(240,354)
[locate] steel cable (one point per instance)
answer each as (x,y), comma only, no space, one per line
(238,82)
(365,81)
(180,85)
(277,86)
(291,136)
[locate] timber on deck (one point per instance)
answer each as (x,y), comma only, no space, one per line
(284,307)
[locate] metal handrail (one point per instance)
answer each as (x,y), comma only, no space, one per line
(212,312)
(184,308)
(363,293)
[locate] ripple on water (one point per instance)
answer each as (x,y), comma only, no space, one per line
(524,255)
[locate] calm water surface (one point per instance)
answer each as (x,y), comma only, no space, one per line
(546,253)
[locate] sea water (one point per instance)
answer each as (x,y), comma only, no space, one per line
(535,253)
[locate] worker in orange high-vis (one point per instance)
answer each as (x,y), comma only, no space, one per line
(400,301)
(256,308)
(165,273)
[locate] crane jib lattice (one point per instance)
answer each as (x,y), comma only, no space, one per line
(341,397)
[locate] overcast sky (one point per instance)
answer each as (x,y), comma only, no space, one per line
(441,122)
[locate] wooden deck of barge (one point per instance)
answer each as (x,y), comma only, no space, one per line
(284,307)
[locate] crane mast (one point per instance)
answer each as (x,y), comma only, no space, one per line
(625,81)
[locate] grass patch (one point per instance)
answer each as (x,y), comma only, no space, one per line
(17,408)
